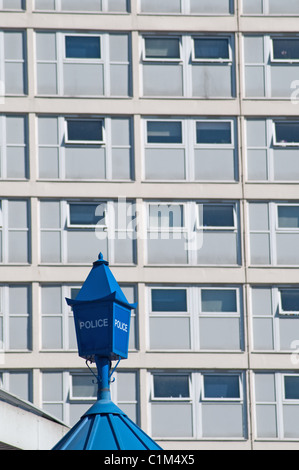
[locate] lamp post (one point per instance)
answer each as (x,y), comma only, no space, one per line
(102,322)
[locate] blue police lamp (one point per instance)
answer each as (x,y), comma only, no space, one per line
(102,322)
(102,315)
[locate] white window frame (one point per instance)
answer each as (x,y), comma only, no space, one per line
(82,59)
(87,226)
(84,142)
(162,59)
(283,144)
(221,399)
(281,60)
(170,399)
(213,60)
(216,227)
(216,121)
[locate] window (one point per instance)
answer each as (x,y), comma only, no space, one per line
(211,49)
(84,131)
(277,409)
(82,47)
(87,214)
(213,300)
(169,300)
(166,216)
(289,301)
(188,66)
(15,317)
(285,49)
(162,49)
(275,319)
(88,6)
(291,387)
(213,132)
(72,64)
(288,217)
(195,318)
(286,133)
(171,386)
(221,387)
(164,132)
(83,387)
(72,148)
(72,231)
(216,398)
(14,231)
(218,216)
(192,233)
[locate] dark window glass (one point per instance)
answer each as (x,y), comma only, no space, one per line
(213,133)
(84,130)
(291,387)
(213,300)
(220,386)
(288,216)
(162,48)
(169,300)
(211,48)
(85,214)
(160,132)
(218,216)
(287,132)
(286,49)
(82,47)
(171,386)
(290,300)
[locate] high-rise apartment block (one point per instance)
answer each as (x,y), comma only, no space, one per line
(164,134)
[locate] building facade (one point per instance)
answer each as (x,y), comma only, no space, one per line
(165,134)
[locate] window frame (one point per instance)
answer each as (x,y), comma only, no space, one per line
(286,313)
(221,314)
(82,59)
(211,145)
(216,227)
(164,144)
(281,60)
(69,225)
(69,142)
(179,229)
(219,60)
(162,59)
(74,398)
(283,144)
(154,399)
(240,399)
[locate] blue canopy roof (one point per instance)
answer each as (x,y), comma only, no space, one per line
(100,284)
(105,427)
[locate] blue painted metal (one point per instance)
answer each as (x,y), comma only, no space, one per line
(102,321)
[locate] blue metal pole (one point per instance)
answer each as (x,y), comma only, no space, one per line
(103,365)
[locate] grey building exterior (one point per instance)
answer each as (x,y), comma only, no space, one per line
(164,134)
